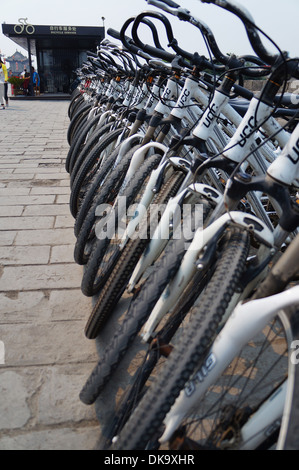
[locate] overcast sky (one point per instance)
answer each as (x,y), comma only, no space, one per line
(278,18)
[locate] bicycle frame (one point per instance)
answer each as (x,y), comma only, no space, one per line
(247,320)
(190,90)
(205,236)
(220,103)
(191,262)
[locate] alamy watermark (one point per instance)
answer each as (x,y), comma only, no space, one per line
(139,221)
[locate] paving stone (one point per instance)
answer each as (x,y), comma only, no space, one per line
(43,306)
(50,190)
(13,211)
(40,277)
(14,191)
(17,165)
(7,238)
(14,410)
(50,176)
(11,177)
(37,170)
(46,343)
(62,254)
(54,209)
(53,404)
(25,223)
(64,183)
(24,306)
(64,221)
(62,199)
(45,237)
(12,255)
(26,200)
(71,304)
(65,438)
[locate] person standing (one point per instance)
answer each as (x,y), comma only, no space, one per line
(3,84)
(23,74)
(35,79)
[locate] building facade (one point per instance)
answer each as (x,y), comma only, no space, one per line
(59,50)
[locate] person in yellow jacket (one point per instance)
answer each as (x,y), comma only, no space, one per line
(3,85)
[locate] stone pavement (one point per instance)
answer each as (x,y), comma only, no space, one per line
(47,357)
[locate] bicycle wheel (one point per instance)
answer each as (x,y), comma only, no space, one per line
(146,421)
(93,251)
(223,417)
(126,262)
(77,119)
(134,319)
(138,312)
(76,98)
(97,186)
(92,142)
(106,193)
(79,140)
(89,168)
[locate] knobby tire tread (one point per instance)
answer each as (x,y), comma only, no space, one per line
(90,286)
(87,166)
(146,421)
(116,284)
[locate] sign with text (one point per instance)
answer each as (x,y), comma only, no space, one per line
(23,28)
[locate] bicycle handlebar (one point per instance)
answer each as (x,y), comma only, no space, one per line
(149,51)
(129,46)
(141,19)
(172,42)
(251,29)
(192,59)
(185,15)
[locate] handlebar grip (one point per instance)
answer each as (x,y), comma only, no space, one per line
(185,15)
(233,7)
(252,30)
(115,34)
(112,32)
(170,3)
(153,51)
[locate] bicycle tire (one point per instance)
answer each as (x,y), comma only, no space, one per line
(106,195)
(90,284)
(139,310)
(239,398)
(89,166)
(76,120)
(157,349)
(126,262)
(145,423)
(76,98)
(92,141)
(79,140)
(94,188)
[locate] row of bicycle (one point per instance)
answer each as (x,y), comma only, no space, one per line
(184,191)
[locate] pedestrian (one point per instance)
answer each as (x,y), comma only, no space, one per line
(3,84)
(25,74)
(35,80)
